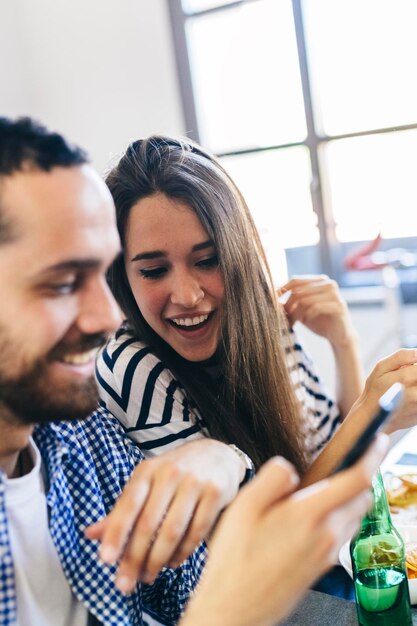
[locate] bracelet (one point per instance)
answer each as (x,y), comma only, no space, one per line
(247,461)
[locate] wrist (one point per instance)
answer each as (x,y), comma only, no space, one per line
(208,606)
(346,341)
(203,614)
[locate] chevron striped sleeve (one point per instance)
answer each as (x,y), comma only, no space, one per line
(144,396)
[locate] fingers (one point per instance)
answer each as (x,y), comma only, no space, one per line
(312,307)
(323,292)
(329,533)
(191,514)
(344,521)
(118,524)
(151,545)
(305,299)
(297,285)
(276,479)
(395,361)
(95,531)
(146,530)
(203,520)
(398,367)
(301,281)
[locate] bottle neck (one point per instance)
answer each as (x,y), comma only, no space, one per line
(378,519)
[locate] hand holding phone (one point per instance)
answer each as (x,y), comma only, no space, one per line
(388,403)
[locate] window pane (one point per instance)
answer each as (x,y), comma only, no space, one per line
(363,62)
(246,77)
(202,5)
(276,186)
(373,185)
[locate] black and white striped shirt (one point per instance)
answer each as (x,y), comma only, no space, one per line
(136,387)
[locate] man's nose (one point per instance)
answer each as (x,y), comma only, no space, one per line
(99,312)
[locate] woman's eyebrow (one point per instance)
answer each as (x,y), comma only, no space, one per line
(202,246)
(155,254)
(149,255)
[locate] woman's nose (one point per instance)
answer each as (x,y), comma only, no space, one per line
(186,291)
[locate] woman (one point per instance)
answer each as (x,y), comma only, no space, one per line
(207,346)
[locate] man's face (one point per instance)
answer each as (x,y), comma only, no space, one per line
(56,307)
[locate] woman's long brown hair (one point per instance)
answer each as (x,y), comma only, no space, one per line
(253,405)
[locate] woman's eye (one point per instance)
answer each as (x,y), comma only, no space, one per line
(211,261)
(156,272)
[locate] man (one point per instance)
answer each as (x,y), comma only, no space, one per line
(57,238)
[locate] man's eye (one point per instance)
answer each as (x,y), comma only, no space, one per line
(211,261)
(62,288)
(156,272)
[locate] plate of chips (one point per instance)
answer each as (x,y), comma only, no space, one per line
(409,535)
(402,497)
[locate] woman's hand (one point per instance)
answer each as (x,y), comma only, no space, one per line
(270,546)
(167,508)
(401,367)
(315,301)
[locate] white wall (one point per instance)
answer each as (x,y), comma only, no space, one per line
(101,71)
(381,331)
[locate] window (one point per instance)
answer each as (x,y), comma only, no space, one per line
(312,107)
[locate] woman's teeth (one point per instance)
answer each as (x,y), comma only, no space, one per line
(80,358)
(190,321)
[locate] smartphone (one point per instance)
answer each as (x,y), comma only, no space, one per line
(388,403)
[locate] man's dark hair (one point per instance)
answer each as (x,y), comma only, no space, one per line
(24,142)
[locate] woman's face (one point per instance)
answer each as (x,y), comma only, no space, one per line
(173,271)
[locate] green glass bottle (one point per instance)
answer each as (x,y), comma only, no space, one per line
(379,569)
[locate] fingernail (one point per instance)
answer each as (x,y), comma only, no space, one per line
(284,297)
(279,460)
(124,584)
(108,554)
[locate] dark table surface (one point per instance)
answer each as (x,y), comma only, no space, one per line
(320,609)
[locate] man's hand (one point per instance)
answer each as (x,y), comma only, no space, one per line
(270,546)
(168,507)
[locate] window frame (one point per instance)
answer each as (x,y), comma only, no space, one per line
(330,250)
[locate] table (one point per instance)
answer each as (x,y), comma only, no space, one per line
(320,609)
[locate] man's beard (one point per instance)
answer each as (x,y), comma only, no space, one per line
(32,398)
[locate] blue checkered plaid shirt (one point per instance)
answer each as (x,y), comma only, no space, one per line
(88,462)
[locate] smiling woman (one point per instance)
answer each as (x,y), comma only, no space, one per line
(206,347)
(175,277)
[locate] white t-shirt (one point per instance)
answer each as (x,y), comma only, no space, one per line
(44,597)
